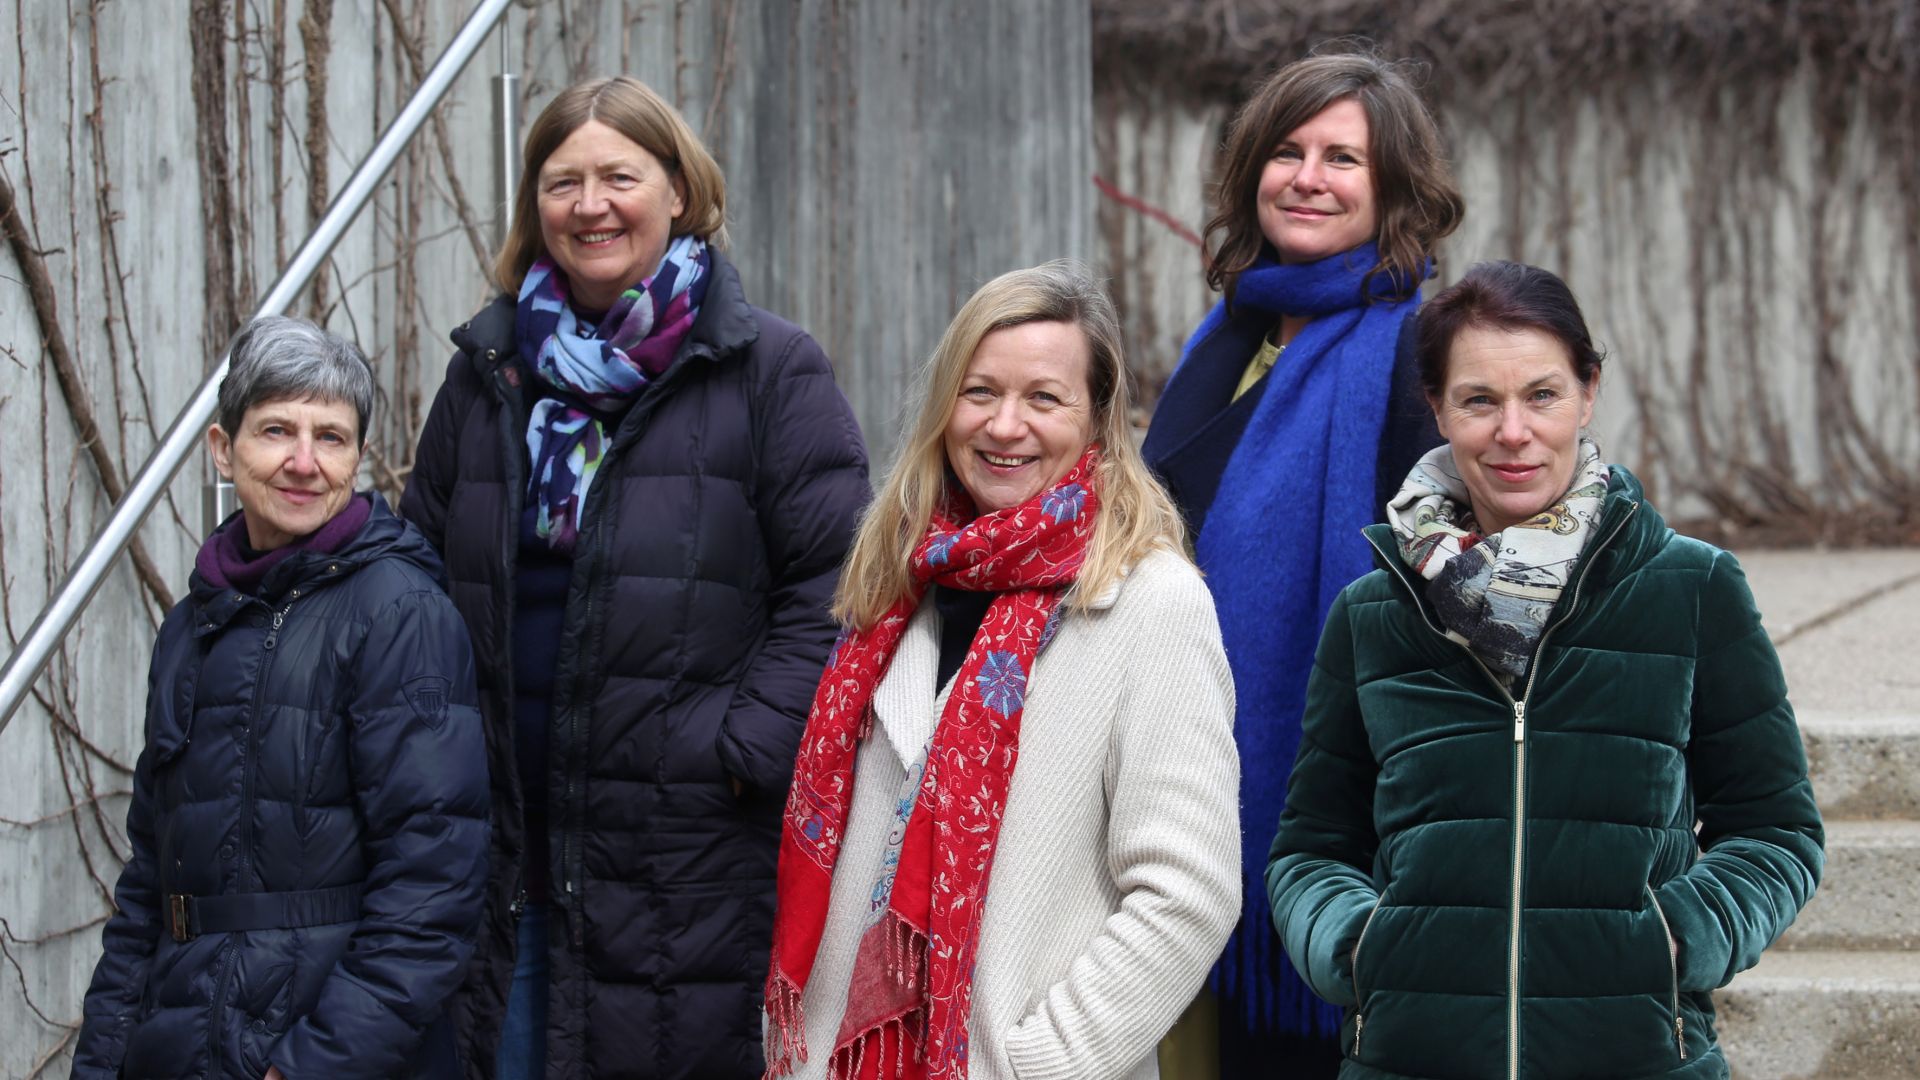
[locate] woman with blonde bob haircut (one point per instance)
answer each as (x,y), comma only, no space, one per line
(644,487)
(1010,847)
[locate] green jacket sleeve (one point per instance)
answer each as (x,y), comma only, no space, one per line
(1319,876)
(1760,831)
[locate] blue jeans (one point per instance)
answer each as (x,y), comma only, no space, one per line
(523,1033)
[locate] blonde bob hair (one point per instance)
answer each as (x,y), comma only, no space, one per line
(1135,514)
(629,107)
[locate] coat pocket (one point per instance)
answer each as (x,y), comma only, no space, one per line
(1673,973)
(1359,994)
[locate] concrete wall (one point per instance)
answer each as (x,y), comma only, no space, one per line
(883,159)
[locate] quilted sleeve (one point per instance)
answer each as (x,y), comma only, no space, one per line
(419,766)
(812,487)
(113,999)
(1318,870)
(1760,831)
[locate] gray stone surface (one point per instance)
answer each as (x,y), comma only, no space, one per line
(1795,587)
(1824,1015)
(1861,664)
(1864,768)
(1866,897)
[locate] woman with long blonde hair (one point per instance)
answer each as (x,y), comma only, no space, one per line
(1010,845)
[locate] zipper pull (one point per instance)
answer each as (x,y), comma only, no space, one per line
(1680,1034)
(519,905)
(1519,721)
(273,635)
(1359,1025)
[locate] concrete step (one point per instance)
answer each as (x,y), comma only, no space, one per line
(1864,767)
(1866,898)
(1825,1015)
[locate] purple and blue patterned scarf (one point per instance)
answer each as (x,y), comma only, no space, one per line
(595,371)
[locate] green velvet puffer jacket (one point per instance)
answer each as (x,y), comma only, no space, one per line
(1503,884)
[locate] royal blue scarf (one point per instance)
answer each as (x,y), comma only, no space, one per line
(1281,539)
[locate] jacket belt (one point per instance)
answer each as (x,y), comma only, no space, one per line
(190,916)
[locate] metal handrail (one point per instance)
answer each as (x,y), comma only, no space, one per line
(50,628)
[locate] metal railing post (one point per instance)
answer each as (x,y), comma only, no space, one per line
(506,139)
(83,580)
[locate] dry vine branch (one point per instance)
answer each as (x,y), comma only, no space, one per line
(410,47)
(316,25)
(72,390)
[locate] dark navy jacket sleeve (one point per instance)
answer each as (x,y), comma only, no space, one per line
(113,998)
(420,782)
(812,487)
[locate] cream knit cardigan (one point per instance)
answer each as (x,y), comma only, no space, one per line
(1116,879)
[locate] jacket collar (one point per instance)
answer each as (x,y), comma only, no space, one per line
(384,536)
(905,703)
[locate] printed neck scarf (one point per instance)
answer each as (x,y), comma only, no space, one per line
(596,371)
(912,987)
(1279,542)
(1494,593)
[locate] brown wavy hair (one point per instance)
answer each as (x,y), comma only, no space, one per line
(1416,201)
(631,108)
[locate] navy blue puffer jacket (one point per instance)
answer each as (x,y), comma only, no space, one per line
(321,738)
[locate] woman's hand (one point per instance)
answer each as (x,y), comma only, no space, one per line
(274,1073)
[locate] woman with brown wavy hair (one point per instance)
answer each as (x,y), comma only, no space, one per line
(1290,420)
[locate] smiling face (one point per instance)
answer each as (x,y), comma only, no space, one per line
(292,464)
(1512,410)
(1315,196)
(606,212)
(1024,414)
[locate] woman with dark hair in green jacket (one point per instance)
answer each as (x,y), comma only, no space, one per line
(1489,853)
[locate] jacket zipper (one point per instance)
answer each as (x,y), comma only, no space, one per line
(581,697)
(1359,1001)
(1519,706)
(1673,972)
(216,1018)
(250,748)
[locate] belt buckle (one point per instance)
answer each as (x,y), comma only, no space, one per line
(177,917)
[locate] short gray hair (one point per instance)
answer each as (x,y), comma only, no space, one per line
(276,358)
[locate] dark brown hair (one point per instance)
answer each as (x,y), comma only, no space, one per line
(1505,296)
(629,107)
(1413,187)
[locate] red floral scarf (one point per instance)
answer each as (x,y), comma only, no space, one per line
(912,987)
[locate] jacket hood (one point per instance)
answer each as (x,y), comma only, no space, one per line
(385,536)
(725,326)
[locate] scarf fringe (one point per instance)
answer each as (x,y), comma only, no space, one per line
(786,1035)
(907,1031)
(906,951)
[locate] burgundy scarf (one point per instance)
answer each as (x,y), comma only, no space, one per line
(912,986)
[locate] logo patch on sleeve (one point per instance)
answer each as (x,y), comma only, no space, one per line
(428,696)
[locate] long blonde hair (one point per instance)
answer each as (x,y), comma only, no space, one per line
(631,108)
(1135,514)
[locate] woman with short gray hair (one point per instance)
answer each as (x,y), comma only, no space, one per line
(309,816)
